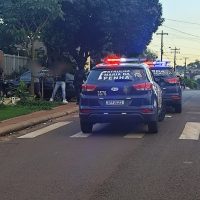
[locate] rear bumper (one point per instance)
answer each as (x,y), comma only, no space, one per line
(172,99)
(99,116)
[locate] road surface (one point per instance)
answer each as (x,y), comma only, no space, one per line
(117,162)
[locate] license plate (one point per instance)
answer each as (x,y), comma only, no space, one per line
(115,102)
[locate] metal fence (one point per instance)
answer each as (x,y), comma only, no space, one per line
(12,63)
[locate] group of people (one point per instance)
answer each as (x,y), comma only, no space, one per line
(60,77)
(59,74)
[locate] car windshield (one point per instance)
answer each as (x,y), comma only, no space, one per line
(117,75)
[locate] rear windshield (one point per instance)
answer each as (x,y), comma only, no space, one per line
(103,75)
(163,72)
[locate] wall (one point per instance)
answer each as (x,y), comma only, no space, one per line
(12,63)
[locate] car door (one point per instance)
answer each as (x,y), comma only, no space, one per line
(157,89)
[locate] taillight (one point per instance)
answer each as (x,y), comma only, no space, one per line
(172,80)
(85,111)
(88,88)
(147,110)
(143,86)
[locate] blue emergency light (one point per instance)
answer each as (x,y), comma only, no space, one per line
(159,63)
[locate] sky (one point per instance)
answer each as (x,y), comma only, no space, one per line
(182,23)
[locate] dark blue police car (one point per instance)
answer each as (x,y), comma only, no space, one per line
(171,86)
(120,90)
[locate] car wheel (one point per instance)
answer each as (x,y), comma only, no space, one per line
(86,127)
(153,127)
(178,108)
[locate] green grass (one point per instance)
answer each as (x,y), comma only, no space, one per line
(8,112)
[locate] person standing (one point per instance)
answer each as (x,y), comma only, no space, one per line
(1,82)
(79,78)
(36,76)
(60,76)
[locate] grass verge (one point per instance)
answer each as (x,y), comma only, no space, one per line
(11,111)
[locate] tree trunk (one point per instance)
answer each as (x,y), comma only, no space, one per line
(32,65)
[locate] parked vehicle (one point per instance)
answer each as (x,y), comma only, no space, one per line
(46,83)
(171,86)
(119,90)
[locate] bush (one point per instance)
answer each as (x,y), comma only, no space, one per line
(22,92)
(192,84)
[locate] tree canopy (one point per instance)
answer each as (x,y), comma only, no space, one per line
(96,26)
(24,21)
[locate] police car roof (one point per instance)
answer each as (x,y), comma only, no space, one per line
(120,66)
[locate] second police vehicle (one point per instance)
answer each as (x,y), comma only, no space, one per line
(166,77)
(121,90)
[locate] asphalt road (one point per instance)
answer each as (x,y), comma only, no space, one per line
(117,162)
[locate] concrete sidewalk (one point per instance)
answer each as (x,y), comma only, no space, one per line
(25,121)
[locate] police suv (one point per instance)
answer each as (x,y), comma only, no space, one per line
(121,90)
(166,77)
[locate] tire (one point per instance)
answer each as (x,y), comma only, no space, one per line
(153,127)
(86,127)
(178,108)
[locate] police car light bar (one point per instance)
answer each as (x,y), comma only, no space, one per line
(136,60)
(115,60)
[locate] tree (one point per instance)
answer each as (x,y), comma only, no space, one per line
(194,65)
(150,55)
(25,20)
(101,26)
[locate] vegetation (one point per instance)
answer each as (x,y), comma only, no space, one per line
(192,84)
(23,108)
(194,65)
(95,26)
(100,26)
(150,55)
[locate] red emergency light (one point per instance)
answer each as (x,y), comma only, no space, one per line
(112,60)
(150,64)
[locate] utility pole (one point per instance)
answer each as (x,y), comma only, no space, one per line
(162,43)
(175,50)
(185,69)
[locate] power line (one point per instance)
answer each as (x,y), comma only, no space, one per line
(181,31)
(184,22)
(180,37)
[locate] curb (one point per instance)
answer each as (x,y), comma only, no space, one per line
(23,125)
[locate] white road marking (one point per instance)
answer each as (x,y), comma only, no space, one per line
(80,135)
(191,131)
(194,113)
(134,136)
(42,131)
(188,162)
(168,116)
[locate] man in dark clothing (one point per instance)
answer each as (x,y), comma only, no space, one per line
(1,82)
(79,78)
